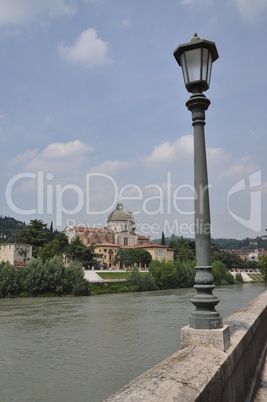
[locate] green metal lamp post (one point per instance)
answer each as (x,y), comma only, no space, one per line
(196,58)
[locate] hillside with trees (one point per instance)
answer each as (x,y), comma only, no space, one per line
(9,229)
(225,244)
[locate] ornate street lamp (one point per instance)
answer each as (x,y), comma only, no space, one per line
(196,58)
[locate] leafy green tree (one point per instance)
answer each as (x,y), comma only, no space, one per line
(141,281)
(183,249)
(185,254)
(9,281)
(164,274)
(124,257)
(53,277)
(33,278)
(172,274)
(185,273)
(252,264)
(163,241)
(239,277)
(221,274)
(262,262)
(131,256)
(58,246)
(74,282)
(78,252)
(36,234)
(141,257)
(230,260)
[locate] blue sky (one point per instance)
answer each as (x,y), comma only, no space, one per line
(93,110)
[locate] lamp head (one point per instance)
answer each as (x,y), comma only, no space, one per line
(196,58)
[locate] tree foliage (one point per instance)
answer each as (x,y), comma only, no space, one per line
(221,275)
(181,274)
(131,256)
(262,262)
(42,278)
(9,281)
(184,250)
(172,274)
(141,281)
(48,244)
(239,277)
(35,234)
(10,228)
(56,247)
(230,260)
(78,252)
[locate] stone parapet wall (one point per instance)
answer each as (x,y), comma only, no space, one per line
(207,374)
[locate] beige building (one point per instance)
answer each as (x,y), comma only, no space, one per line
(158,252)
(16,254)
(121,232)
(108,252)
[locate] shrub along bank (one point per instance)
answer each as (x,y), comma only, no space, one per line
(42,279)
(51,278)
(164,275)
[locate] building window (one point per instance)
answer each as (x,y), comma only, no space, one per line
(125,241)
(105,250)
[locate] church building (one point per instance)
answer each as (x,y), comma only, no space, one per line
(121,232)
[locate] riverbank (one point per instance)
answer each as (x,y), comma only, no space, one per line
(116,276)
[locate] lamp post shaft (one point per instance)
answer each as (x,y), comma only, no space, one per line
(198,104)
(205,316)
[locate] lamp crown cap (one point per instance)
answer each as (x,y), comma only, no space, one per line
(195,37)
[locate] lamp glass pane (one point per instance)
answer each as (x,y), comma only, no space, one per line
(209,69)
(205,64)
(184,68)
(193,59)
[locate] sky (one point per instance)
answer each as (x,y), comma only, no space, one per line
(92,111)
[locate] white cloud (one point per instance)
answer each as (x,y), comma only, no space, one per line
(244,167)
(110,166)
(58,156)
(65,150)
(167,152)
(89,50)
(216,155)
(18,11)
(125,23)
(251,10)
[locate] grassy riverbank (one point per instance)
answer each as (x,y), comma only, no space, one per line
(114,275)
(52,278)
(110,288)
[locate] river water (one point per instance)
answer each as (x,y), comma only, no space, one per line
(84,349)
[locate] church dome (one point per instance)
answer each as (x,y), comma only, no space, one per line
(120,214)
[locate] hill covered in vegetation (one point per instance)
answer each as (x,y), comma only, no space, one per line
(222,243)
(10,228)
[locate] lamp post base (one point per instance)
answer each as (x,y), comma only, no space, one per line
(205,316)
(198,321)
